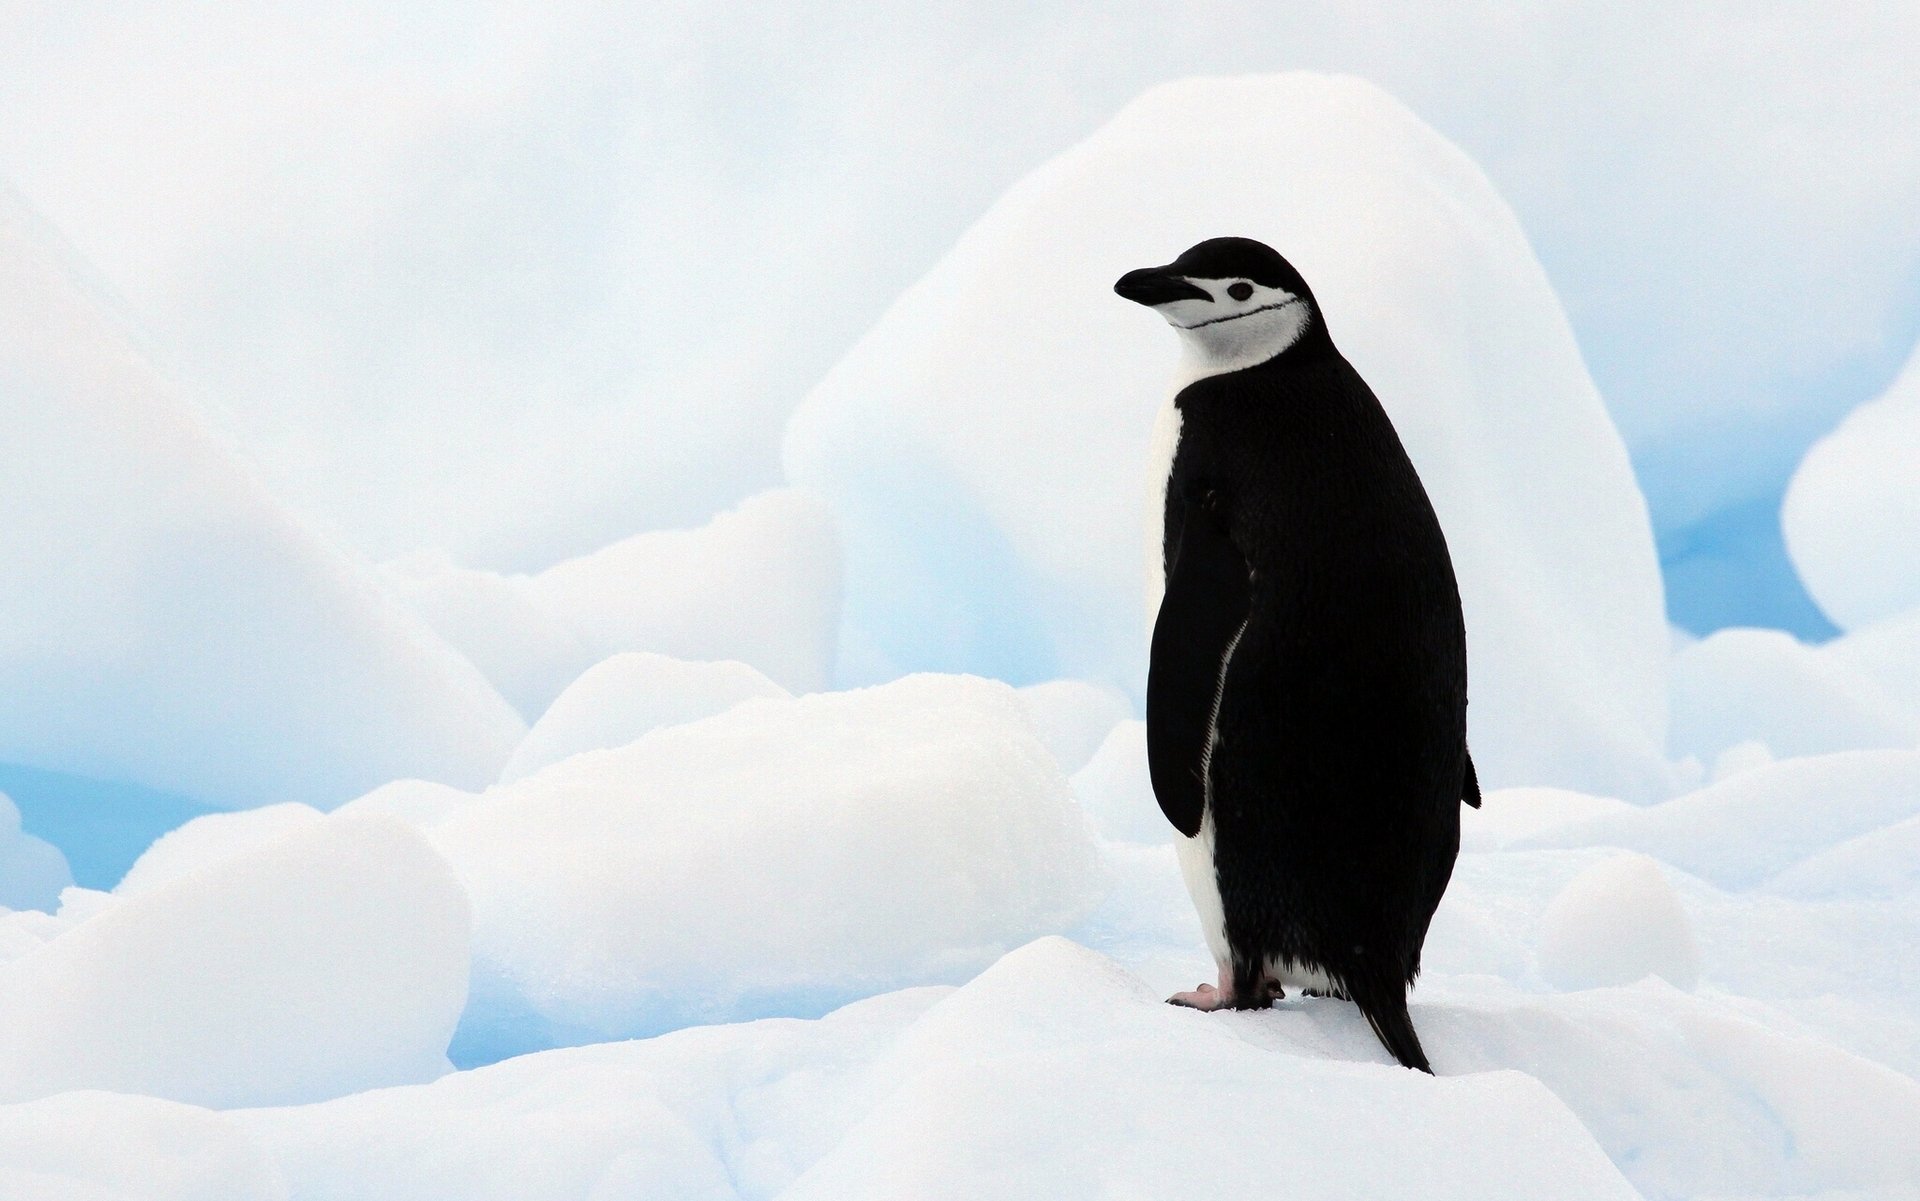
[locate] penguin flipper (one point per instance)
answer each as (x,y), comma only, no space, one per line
(1385,1009)
(1205,607)
(1470,787)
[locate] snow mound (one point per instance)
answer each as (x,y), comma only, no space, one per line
(1888,653)
(1738,832)
(782,857)
(1510,815)
(1074,717)
(619,699)
(1879,865)
(95,1146)
(1617,922)
(1852,508)
(419,802)
(1744,685)
(32,872)
(329,960)
(759,583)
(148,575)
(214,838)
(1117,792)
(984,447)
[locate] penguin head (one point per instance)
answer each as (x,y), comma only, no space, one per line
(1235,302)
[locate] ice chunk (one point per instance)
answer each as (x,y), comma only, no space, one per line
(332,959)
(1740,685)
(782,857)
(97,1146)
(32,872)
(985,445)
(621,698)
(1853,506)
(164,621)
(1617,922)
(1074,717)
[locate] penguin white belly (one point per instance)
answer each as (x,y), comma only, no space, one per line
(1203,885)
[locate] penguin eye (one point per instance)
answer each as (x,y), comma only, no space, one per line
(1240,290)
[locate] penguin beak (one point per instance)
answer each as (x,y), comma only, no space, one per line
(1158,285)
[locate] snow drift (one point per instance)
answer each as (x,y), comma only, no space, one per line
(163,621)
(984,446)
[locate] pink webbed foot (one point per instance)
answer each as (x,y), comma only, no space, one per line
(1205,997)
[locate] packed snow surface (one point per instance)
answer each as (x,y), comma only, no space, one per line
(1853,507)
(163,621)
(984,447)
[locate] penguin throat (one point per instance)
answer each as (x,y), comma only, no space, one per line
(1244,340)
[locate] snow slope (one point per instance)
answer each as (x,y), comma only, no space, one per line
(984,447)
(1853,506)
(164,622)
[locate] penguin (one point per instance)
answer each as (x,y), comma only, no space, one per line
(1307,684)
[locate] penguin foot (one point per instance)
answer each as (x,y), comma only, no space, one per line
(1206,998)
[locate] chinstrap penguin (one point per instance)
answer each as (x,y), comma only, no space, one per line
(1307,693)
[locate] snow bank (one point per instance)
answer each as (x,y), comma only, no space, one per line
(619,699)
(32,872)
(1762,685)
(214,838)
(94,1146)
(163,621)
(784,856)
(759,583)
(1853,506)
(1886,652)
(985,446)
(1617,922)
(331,959)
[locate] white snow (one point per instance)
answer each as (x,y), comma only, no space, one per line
(619,699)
(32,871)
(783,856)
(329,960)
(164,621)
(213,838)
(984,446)
(1853,506)
(1617,922)
(1740,685)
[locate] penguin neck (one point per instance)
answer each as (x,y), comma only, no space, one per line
(1204,359)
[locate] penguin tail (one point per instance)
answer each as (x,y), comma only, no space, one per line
(1386,1011)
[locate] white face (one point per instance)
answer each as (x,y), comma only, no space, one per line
(1243,325)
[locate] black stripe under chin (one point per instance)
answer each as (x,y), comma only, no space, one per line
(1265,308)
